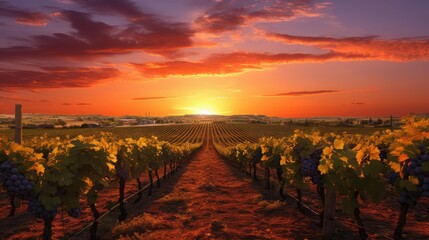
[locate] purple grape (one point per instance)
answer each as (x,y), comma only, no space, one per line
(309,168)
(74,212)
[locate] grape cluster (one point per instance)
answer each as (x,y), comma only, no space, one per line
(408,197)
(98,186)
(14,182)
(17,185)
(392,177)
(414,168)
(309,167)
(36,208)
(384,152)
(74,212)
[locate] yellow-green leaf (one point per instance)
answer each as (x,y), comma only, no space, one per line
(339,144)
(413,180)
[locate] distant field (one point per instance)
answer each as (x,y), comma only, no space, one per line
(121,132)
(254,130)
(265,130)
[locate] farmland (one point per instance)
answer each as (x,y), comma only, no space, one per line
(254,130)
(211,138)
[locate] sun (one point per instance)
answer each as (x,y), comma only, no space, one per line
(201,107)
(204,112)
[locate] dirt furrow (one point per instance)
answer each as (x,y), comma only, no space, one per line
(211,201)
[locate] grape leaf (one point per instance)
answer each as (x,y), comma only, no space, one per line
(396,167)
(375,190)
(373,169)
(49,202)
(338,144)
(407,185)
(413,180)
(92,196)
(323,167)
(39,168)
(65,179)
(403,157)
(425,166)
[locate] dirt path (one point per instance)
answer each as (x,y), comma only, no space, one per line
(212,201)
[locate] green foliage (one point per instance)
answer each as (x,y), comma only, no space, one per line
(425,166)
(64,170)
(350,163)
(407,185)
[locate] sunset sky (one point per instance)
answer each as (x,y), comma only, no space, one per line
(287,58)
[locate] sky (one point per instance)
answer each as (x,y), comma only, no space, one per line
(286,58)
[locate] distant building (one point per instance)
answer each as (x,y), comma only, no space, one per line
(29,126)
(127,121)
(146,121)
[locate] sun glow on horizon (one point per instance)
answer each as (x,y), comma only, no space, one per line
(204,112)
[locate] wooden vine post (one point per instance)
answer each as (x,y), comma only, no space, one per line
(18,139)
(18,123)
(329,213)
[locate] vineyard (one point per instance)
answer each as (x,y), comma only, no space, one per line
(352,169)
(373,185)
(53,175)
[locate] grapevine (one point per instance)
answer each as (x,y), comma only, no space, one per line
(355,166)
(51,173)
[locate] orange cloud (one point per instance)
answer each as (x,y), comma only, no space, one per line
(302,93)
(15,99)
(221,64)
(370,47)
(340,49)
(77,104)
(150,98)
